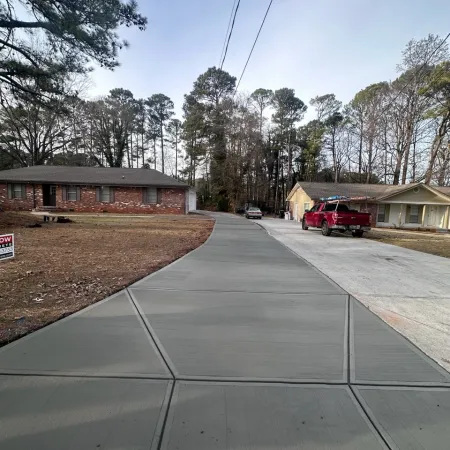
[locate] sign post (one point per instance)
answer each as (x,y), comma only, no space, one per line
(6,246)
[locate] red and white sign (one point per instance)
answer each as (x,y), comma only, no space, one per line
(6,246)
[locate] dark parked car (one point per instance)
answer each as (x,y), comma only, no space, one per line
(253,213)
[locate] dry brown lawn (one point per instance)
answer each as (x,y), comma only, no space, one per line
(434,243)
(62,268)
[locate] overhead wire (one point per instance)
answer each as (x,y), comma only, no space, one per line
(226,34)
(253,47)
(231,32)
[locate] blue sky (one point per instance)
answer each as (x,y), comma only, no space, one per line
(315,47)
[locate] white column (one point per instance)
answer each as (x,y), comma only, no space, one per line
(424,211)
(447,218)
(400,214)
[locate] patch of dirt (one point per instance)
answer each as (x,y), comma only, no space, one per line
(12,220)
(433,243)
(62,268)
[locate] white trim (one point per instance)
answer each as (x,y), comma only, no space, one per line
(413,203)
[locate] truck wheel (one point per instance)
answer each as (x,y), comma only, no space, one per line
(326,230)
(357,233)
(304,227)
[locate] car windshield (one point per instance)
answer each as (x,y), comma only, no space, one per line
(253,209)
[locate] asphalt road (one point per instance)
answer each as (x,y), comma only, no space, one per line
(240,344)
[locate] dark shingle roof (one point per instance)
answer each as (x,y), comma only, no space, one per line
(444,190)
(318,190)
(90,176)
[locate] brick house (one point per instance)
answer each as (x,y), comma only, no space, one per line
(410,206)
(92,189)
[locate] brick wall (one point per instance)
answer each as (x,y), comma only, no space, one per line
(126,200)
(20,204)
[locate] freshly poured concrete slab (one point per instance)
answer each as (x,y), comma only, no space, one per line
(262,254)
(192,275)
(249,336)
(106,339)
(54,413)
(410,418)
(381,355)
(224,416)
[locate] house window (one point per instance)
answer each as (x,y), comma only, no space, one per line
(306,206)
(17,191)
(414,214)
(151,196)
(72,193)
(105,194)
(383,213)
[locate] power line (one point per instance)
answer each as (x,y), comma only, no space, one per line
(231,32)
(226,34)
(254,43)
(419,70)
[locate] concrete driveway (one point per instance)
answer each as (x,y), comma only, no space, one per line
(240,344)
(408,289)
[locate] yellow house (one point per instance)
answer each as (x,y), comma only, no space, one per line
(414,206)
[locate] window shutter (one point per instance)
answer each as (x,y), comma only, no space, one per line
(111,195)
(159,196)
(408,213)
(24,191)
(144,195)
(10,191)
(97,194)
(78,193)
(64,193)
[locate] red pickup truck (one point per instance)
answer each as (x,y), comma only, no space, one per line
(336,216)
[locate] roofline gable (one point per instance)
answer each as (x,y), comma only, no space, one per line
(412,186)
(293,191)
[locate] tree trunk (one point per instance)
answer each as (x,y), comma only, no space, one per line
(444,167)
(162,148)
(176,152)
(360,154)
(143,149)
(398,166)
(289,168)
(277,181)
(437,141)
(409,136)
(385,155)
(369,158)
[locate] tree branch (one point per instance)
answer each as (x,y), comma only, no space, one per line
(19,50)
(10,24)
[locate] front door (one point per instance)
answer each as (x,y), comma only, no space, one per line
(432,215)
(49,194)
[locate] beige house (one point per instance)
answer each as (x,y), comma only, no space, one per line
(414,206)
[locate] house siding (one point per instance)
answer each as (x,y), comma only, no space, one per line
(300,197)
(126,200)
(434,217)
